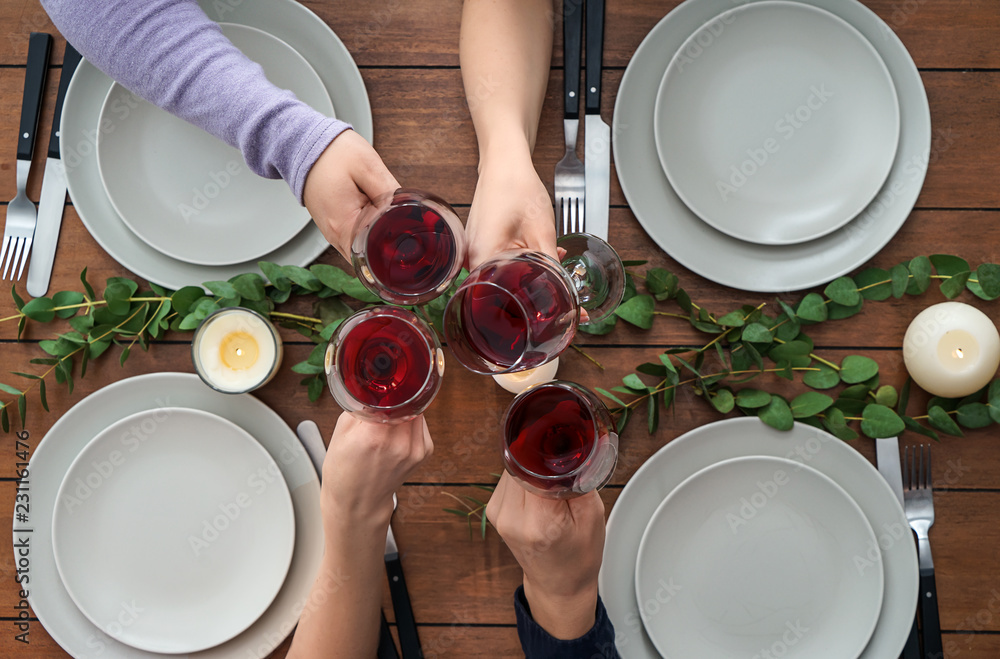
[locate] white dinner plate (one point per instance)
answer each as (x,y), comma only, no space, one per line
(70,434)
(285,19)
(191,195)
(733,438)
(761,555)
(737,263)
(776,122)
(169,511)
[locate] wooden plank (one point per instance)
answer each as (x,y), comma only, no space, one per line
(424,134)
(938,33)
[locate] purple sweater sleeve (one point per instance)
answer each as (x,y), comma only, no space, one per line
(171,54)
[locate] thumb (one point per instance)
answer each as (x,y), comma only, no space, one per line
(371,175)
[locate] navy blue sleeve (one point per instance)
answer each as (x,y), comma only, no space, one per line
(598,643)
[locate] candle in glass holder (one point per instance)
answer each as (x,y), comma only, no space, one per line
(236,350)
(951,350)
(517,382)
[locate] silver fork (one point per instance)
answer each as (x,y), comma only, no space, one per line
(918,500)
(570,182)
(19,226)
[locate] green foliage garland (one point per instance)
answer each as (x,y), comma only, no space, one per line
(745,343)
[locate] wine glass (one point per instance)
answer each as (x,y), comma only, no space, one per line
(384,364)
(558,440)
(408,247)
(521,308)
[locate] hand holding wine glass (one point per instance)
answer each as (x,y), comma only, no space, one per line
(366,463)
(511,209)
(346,177)
(559,545)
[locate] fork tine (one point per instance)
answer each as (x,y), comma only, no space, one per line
(581,217)
(928,481)
(3,251)
(9,256)
(15,257)
(26,243)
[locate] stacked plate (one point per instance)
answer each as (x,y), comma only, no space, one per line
(737,540)
(179,207)
(790,139)
(167,518)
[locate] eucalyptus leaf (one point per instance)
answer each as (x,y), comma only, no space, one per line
(955,285)
(731,319)
(632,381)
(948,265)
(638,311)
(222,289)
(900,280)
(844,291)
(609,395)
(880,421)
(839,311)
(757,333)
(184,297)
(911,424)
(276,275)
(67,299)
(857,368)
(824,378)
(40,310)
(834,422)
(874,284)
(86,285)
(886,395)
(988,277)
(973,415)
(315,389)
(723,400)
(777,414)
(809,403)
(941,420)
(920,275)
(752,398)
(357,290)
(812,308)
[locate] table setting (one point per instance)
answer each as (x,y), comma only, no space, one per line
(760,342)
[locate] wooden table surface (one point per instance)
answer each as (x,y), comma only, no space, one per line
(462,588)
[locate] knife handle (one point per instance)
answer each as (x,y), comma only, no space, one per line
(595,54)
(572,42)
(70,61)
(406,625)
(929,616)
(386,646)
(912,648)
(39,45)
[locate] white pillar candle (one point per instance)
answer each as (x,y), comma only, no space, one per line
(951,350)
(236,350)
(517,382)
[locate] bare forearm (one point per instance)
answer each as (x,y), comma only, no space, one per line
(341,616)
(505,50)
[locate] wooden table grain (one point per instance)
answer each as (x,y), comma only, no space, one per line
(462,588)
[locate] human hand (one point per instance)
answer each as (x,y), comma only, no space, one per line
(511,209)
(346,177)
(366,463)
(559,543)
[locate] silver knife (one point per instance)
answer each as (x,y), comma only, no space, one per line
(312,441)
(597,141)
(887,458)
(53,198)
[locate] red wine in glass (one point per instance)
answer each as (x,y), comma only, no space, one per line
(384,364)
(558,440)
(513,313)
(409,247)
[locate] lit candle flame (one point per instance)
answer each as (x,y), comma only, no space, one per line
(239,352)
(958,354)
